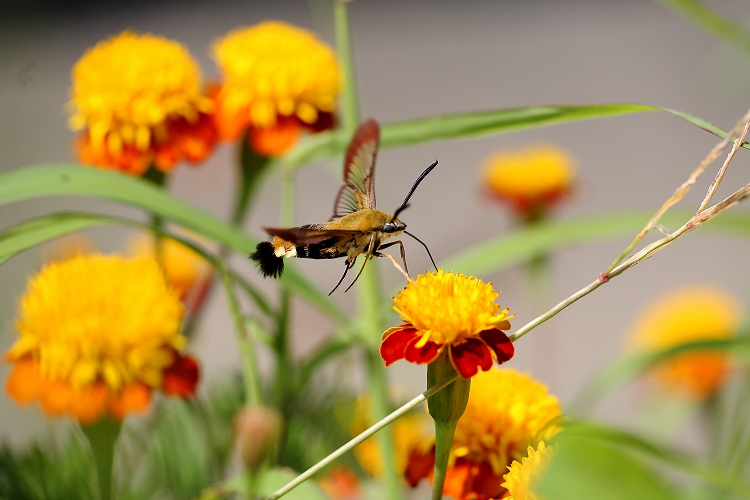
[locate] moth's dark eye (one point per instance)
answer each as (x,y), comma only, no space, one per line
(392,227)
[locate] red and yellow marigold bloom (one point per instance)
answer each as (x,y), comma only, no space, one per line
(449,311)
(278,80)
(530,180)
(507,412)
(521,476)
(138,100)
(689,315)
(97,335)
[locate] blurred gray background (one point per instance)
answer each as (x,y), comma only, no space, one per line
(415,59)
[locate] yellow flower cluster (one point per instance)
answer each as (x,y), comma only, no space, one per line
(446,308)
(688,315)
(530,180)
(508,411)
(519,480)
(278,80)
(139,99)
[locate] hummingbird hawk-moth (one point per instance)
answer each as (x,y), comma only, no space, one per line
(355,228)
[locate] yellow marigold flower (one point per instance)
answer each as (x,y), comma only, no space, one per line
(139,100)
(278,80)
(688,315)
(96,335)
(186,271)
(507,412)
(445,310)
(519,480)
(530,180)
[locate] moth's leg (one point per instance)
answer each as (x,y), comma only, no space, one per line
(370,252)
(405,270)
(348,265)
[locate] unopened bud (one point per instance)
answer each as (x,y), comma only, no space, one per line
(257,428)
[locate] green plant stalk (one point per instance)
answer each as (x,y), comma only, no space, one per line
(369,292)
(349,101)
(392,417)
(252,169)
(250,377)
(446,408)
(102,437)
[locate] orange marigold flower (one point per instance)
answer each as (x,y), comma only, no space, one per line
(97,334)
(186,271)
(445,310)
(507,412)
(689,315)
(519,480)
(530,180)
(138,100)
(278,81)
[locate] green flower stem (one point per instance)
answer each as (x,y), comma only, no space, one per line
(252,169)
(446,408)
(443,439)
(392,417)
(250,376)
(102,437)
(349,107)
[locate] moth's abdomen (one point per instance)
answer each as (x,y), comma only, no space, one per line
(268,262)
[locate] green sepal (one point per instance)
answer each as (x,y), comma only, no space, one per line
(449,404)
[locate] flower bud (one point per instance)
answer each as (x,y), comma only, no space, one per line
(257,428)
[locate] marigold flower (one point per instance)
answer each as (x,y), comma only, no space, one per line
(97,334)
(507,412)
(278,81)
(688,315)
(530,180)
(186,271)
(519,480)
(445,310)
(138,100)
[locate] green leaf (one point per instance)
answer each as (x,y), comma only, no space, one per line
(682,462)
(630,366)
(468,125)
(712,22)
(43,229)
(54,180)
(460,125)
(586,468)
(40,230)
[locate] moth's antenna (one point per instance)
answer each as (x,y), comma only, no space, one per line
(425,247)
(414,188)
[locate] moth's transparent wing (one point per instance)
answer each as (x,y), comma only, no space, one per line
(358,191)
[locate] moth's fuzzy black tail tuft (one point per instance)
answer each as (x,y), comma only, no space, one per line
(267,261)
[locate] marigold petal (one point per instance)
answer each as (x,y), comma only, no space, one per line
(90,403)
(277,139)
(181,378)
(500,344)
(423,354)
(133,398)
(419,466)
(24,382)
(394,343)
(467,357)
